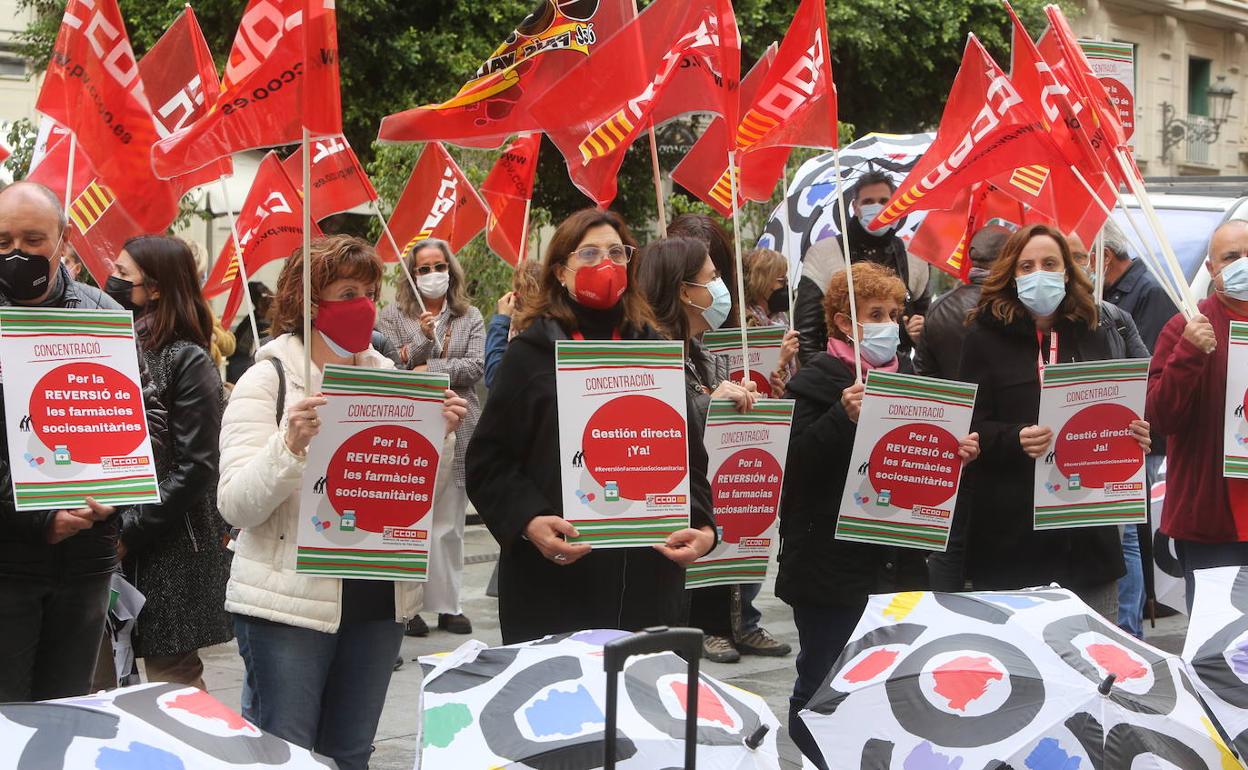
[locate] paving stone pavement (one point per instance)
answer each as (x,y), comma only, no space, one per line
(771,678)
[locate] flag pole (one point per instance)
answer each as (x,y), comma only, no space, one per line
(736,239)
(403,268)
(1098,247)
(788,269)
(658,182)
(69,171)
(242,268)
(524,231)
(849,274)
(307,265)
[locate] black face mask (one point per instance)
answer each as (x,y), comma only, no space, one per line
(23,276)
(119,289)
(778,302)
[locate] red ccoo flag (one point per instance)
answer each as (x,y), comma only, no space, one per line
(98,224)
(93,88)
(179,77)
(322,102)
(944,237)
(507,191)
(338,182)
(677,56)
(438,202)
(495,103)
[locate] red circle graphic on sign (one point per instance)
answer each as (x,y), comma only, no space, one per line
(70,402)
(385,475)
(915,464)
(637,443)
(1099,459)
(745,496)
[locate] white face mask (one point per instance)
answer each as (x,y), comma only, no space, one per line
(879,342)
(1235,279)
(433,285)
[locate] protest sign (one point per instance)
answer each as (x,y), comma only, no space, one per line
(1113,64)
(747,453)
(1093,473)
(1235,444)
(364,509)
(904,472)
(623,440)
(74,407)
(765,343)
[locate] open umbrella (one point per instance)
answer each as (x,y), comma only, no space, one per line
(1028,679)
(151,726)
(542,705)
(1216,650)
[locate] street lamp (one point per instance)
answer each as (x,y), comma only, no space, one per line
(1174,130)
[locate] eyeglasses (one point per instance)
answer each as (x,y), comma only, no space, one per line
(441,267)
(618,253)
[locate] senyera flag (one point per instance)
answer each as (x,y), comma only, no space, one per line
(180,79)
(278,79)
(93,89)
(944,237)
(338,181)
(98,225)
(270,226)
(438,202)
(677,56)
(495,102)
(507,192)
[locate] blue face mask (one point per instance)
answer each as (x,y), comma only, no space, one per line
(1041,292)
(1235,279)
(879,342)
(721,302)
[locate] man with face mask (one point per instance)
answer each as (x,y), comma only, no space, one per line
(868,197)
(1206,514)
(55,565)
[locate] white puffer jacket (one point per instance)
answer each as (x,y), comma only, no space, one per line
(259,492)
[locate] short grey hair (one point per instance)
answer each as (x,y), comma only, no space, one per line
(1115,240)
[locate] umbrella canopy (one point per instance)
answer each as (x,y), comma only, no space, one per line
(1028,679)
(1216,650)
(151,726)
(541,705)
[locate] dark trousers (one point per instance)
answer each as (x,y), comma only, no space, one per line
(822,633)
(1194,556)
(51,635)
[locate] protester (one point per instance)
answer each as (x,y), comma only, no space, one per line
(245,340)
(525,280)
(459,351)
(767,304)
(174,552)
(588,291)
(868,197)
(77,270)
(1037,308)
(688,296)
(55,565)
(1205,512)
(318,651)
(826,581)
(222,345)
(719,243)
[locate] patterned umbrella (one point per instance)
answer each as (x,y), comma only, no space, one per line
(541,705)
(151,726)
(1020,679)
(1216,650)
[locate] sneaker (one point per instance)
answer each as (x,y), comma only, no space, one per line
(456,624)
(759,642)
(398,663)
(719,649)
(416,627)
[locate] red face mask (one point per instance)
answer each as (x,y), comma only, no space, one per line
(600,286)
(347,323)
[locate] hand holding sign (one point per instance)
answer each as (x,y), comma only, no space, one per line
(547,534)
(851,400)
(687,545)
(303,424)
(1035,440)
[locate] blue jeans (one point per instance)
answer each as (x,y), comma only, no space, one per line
(750,616)
(321,691)
(1131,585)
(822,633)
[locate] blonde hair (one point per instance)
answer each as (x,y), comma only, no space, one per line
(762,268)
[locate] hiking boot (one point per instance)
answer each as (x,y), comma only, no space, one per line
(759,642)
(416,627)
(719,649)
(456,624)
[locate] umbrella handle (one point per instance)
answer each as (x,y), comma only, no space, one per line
(1104,687)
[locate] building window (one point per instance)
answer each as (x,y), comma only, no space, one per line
(1198,86)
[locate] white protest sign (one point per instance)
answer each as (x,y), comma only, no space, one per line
(1235,441)
(765,343)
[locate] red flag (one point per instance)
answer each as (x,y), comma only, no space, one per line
(98,224)
(338,181)
(93,88)
(322,102)
(262,101)
(985,130)
(1061,50)
(438,202)
(507,191)
(944,237)
(177,74)
(270,226)
(495,103)
(677,56)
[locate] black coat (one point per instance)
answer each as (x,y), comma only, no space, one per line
(1006,552)
(816,569)
(940,345)
(513,475)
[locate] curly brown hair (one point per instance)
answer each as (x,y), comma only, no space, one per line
(334,257)
(1000,294)
(871,281)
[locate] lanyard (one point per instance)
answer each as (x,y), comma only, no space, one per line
(576,335)
(1040,364)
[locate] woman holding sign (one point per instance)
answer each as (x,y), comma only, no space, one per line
(319,651)
(1037,309)
(589,291)
(767,302)
(826,580)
